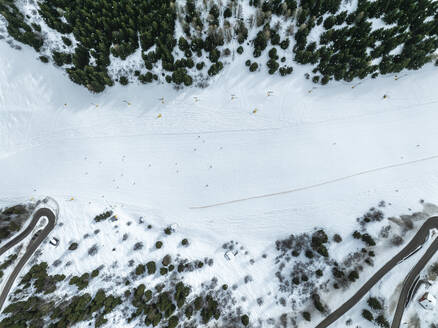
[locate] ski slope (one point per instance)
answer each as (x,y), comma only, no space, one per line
(58,139)
(251,158)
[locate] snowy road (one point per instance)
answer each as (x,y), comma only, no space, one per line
(418,240)
(42,212)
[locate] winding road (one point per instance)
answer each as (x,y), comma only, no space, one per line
(32,247)
(413,246)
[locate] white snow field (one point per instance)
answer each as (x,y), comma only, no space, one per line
(252,167)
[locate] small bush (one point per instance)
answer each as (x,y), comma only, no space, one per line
(353,276)
(366,238)
(73,246)
(166,260)
(317,303)
(138,246)
(93,250)
(374,303)
(337,238)
(66,41)
(103,216)
(306,316)
(309,254)
(159,244)
(123,80)
(140,269)
(357,235)
(382,322)
(163,271)
(367,315)
(245,320)
(152,268)
(253,67)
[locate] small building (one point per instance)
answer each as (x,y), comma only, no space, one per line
(54,241)
(230,255)
(427,301)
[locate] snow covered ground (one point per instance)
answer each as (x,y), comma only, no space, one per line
(287,161)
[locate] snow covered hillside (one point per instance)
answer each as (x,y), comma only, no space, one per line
(251,158)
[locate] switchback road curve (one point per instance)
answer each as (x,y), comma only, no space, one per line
(417,241)
(32,247)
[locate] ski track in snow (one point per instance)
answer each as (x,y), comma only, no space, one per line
(318,184)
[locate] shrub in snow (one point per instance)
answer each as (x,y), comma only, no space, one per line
(247,279)
(166,260)
(123,80)
(140,269)
(286,70)
(337,238)
(317,303)
(61,58)
(397,240)
(272,65)
(73,246)
(245,320)
(80,282)
(353,276)
(103,216)
(374,303)
(66,41)
(306,316)
(163,271)
(357,235)
(382,322)
(138,246)
(159,244)
(367,315)
(188,312)
(151,267)
(366,238)
(93,250)
(337,272)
